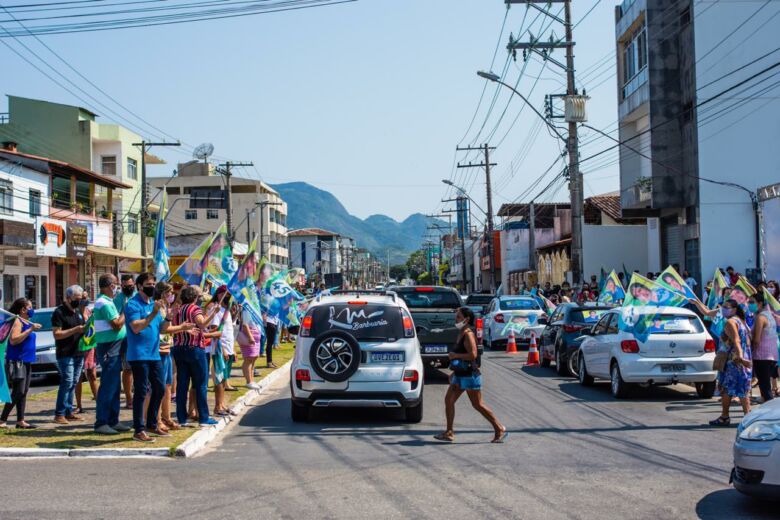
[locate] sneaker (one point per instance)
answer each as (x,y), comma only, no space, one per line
(121,427)
(59,419)
(188,425)
(105,430)
(142,437)
(253,386)
(209,422)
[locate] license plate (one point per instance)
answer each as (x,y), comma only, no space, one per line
(673,368)
(435,349)
(379,357)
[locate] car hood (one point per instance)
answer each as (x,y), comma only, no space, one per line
(44,339)
(766,412)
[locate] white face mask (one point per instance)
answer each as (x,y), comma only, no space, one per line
(460,324)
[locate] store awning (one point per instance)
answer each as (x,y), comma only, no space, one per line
(110,251)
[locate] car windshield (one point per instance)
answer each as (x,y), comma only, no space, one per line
(518,304)
(671,324)
(430,299)
(44,318)
(365,322)
(479,299)
(588,315)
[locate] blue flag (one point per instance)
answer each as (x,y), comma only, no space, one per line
(6,322)
(162,270)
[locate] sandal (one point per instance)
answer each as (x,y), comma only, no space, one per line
(721,421)
(501,437)
(444,437)
(24,425)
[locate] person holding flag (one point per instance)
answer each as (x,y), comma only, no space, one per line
(87,347)
(67,326)
(19,356)
(764,343)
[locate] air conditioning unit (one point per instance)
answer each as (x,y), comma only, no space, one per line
(575,108)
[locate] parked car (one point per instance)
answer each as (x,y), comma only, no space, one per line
(756,469)
(521,314)
(478,302)
(677,349)
(357,349)
(45,364)
(561,338)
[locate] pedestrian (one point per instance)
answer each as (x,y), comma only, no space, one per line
(164,292)
(120,300)
(224,346)
(764,341)
(734,379)
(690,281)
(67,326)
(733,276)
(110,337)
(189,354)
(89,372)
(19,357)
(144,325)
(271,328)
(466,377)
(249,338)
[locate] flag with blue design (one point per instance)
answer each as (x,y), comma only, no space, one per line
(771,301)
(251,304)
(742,291)
(643,291)
(6,323)
(672,280)
(162,271)
(219,357)
(277,297)
(218,261)
(246,274)
(718,284)
(612,291)
(191,270)
(87,341)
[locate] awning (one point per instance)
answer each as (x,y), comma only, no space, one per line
(110,251)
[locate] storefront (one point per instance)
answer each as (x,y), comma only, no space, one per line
(24,274)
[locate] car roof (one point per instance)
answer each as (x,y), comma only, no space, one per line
(650,309)
(516,297)
(384,298)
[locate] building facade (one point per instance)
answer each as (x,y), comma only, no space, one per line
(323,254)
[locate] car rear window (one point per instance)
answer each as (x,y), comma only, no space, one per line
(518,304)
(479,299)
(431,300)
(365,322)
(588,315)
(671,324)
(44,318)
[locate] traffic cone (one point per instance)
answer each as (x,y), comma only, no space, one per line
(511,344)
(533,353)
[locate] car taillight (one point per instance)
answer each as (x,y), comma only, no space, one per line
(357,302)
(709,345)
(629,346)
(306,326)
(411,376)
(572,328)
(499,318)
(302,375)
(480,328)
(423,289)
(408,325)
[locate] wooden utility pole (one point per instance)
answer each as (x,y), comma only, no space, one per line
(225,170)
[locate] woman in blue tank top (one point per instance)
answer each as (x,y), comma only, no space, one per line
(19,358)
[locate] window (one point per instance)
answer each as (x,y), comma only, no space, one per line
(207,198)
(190,214)
(108,164)
(132,168)
(365,322)
(132,223)
(634,61)
(518,304)
(6,197)
(212,214)
(35,203)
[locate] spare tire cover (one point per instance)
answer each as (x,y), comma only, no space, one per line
(335,355)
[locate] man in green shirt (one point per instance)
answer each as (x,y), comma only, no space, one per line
(110,335)
(126,292)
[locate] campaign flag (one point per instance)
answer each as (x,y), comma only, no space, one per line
(87,341)
(672,280)
(718,284)
(612,291)
(277,297)
(626,274)
(642,291)
(602,279)
(246,274)
(162,271)
(742,291)
(191,270)
(771,301)
(219,357)
(6,322)
(251,304)
(218,261)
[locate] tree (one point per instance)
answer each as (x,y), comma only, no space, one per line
(416,264)
(398,271)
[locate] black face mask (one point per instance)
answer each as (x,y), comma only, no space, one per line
(128,291)
(149,291)
(75,303)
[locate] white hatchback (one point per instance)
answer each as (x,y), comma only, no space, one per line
(674,347)
(357,349)
(519,314)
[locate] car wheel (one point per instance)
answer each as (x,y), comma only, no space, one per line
(571,363)
(335,356)
(560,367)
(299,412)
(705,390)
(582,371)
(618,387)
(414,414)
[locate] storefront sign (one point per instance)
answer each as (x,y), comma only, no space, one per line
(17,234)
(50,237)
(77,240)
(98,233)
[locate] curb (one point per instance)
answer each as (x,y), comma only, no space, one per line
(120,452)
(200,439)
(32,452)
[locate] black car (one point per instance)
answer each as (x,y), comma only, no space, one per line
(563,334)
(479,302)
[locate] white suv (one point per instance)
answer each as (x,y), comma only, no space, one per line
(357,349)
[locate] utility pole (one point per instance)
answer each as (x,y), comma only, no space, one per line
(487,164)
(228,174)
(145,146)
(532,237)
(463,232)
(248,222)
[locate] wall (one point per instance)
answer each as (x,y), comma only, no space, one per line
(24,179)
(736,145)
(514,249)
(611,247)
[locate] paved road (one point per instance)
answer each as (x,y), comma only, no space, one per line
(573,453)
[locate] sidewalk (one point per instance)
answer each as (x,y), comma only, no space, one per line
(40,412)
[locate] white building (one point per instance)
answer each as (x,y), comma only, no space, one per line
(320,252)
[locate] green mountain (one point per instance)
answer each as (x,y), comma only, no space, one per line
(308,206)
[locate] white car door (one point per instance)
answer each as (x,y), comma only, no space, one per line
(487,322)
(611,344)
(593,345)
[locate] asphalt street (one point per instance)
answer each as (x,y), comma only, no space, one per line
(573,452)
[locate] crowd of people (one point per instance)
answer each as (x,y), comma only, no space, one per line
(157,341)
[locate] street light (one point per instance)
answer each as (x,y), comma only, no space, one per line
(450,183)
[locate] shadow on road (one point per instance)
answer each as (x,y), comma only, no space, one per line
(599,392)
(730,503)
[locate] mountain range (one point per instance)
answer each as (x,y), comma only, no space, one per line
(308,206)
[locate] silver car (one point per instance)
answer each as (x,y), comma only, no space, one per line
(45,364)
(757,452)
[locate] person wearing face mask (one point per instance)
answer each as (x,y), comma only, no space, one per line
(164,292)
(764,344)
(67,325)
(18,360)
(110,335)
(89,372)
(734,380)
(466,377)
(127,291)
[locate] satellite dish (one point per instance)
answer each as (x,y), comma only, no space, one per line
(203,151)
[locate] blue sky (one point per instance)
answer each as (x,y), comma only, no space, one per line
(366,100)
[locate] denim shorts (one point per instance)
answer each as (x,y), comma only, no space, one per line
(472,382)
(167,368)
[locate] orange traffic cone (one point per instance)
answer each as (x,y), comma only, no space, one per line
(511,344)
(533,353)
